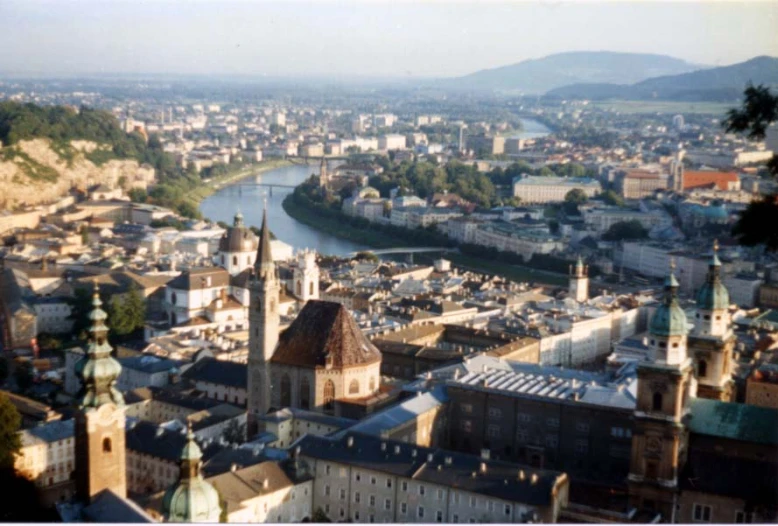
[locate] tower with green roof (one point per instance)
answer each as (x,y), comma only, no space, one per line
(191,498)
(665,385)
(712,341)
(100,417)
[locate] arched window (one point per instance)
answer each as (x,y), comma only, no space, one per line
(329,396)
(259,305)
(372,384)
(248,260)
(310,287)
(353,387)
(272,305)
(106,445)
(174,298)
(286,391)
(235,260)
(656,404)
(702,368)
(223,260)
(305,393)
(173,318)
(299,288)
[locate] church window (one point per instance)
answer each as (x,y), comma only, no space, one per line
(106,445)
(707,316)
(234,260)
(656,404)
(310,288)
(372,384)
(305,393)
(702,368)
(248,260)
(299,289)
(286,391)
(353,387)
(329,396)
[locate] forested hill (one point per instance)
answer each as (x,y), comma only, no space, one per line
(61,125)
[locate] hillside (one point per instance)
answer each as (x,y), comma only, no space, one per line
(36,171)
(724,83)
(562,69)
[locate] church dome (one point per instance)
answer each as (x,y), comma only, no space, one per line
(713,295)
(669,318)
(191,499)
(238,238)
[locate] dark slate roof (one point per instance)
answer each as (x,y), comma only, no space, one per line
(502,480)
(150,439)
(241,457)
(110,507)
(218,372)
(324,332)
(172,397)
(743,422)
(149,364)
(238,238)
(194,279)
(54,431)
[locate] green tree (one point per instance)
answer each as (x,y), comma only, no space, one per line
(756,225)
(10,423)
(612,198)
(127,313)
(80,306)
(625,230)
(187,209)
(138,195)
(235,433)
(320,516)
(573,198)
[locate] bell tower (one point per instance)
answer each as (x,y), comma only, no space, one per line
(712,340)
(579,281)
(306,276)
(264,322)
(100,418)
(665,384)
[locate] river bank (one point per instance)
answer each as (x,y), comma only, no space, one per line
(377,240)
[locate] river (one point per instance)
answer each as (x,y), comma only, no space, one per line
(223,204)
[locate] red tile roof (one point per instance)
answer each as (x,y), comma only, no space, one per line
(697,179)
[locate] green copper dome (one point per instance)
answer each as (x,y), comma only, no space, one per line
(191,499)
(713,295)
(669,318)
(97,369)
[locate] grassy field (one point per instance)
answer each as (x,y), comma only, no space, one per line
(379,240)
(638,106)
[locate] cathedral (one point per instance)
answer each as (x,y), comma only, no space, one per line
(321,362)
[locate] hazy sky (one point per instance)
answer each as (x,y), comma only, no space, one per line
(367,38)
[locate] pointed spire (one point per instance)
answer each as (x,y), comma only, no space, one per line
(714,261)
(238,220)
(671,284)
(264,265)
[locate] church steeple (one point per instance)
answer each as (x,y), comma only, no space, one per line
(100,419)
(579,281)
(264,322)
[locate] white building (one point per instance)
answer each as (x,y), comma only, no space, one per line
(540,189)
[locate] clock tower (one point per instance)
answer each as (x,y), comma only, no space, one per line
(100,418)
(665,384)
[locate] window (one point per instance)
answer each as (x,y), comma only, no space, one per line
(342,513)
(652,469)
(353,387)
(371,518)
(327,469)
(421,490)
(439,516)
(371,385)
(522,435)
(493,431)
(421,512)
(524,418)
(581,446)
(403,508)
(741,517)
(582,427)
(388,504)
(358,477)
(342,494)
(617,432)
(329,396)
(440,494)
(327,491)
(472,502)
(356,497)
(507,510)
(372,500)
(286,391)
(455,518)
(466,426)
(466,408)
(656,403)
(305,393)
(702,513)
(552,440)
(495,413)
(373,481)
(342,473)
(388,483)
(702,368)
(106,445)
(552,422)
(356,516)
(404,486)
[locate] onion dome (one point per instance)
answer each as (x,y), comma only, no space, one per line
(191,499)
(669,318)
(713,295)
(238,238)
(97,370)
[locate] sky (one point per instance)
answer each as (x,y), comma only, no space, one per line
(367,38)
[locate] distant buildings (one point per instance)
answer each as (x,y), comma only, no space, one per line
(540,189)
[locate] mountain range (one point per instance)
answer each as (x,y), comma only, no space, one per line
(605,74)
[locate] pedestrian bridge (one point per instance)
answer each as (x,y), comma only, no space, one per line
(405,250)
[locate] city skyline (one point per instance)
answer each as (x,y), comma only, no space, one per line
(364,39)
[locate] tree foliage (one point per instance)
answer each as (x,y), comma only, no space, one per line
(756,225)
(610,197)
(10,423)
(625,230)
(127,313)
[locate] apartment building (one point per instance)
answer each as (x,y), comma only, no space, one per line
(540,189)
